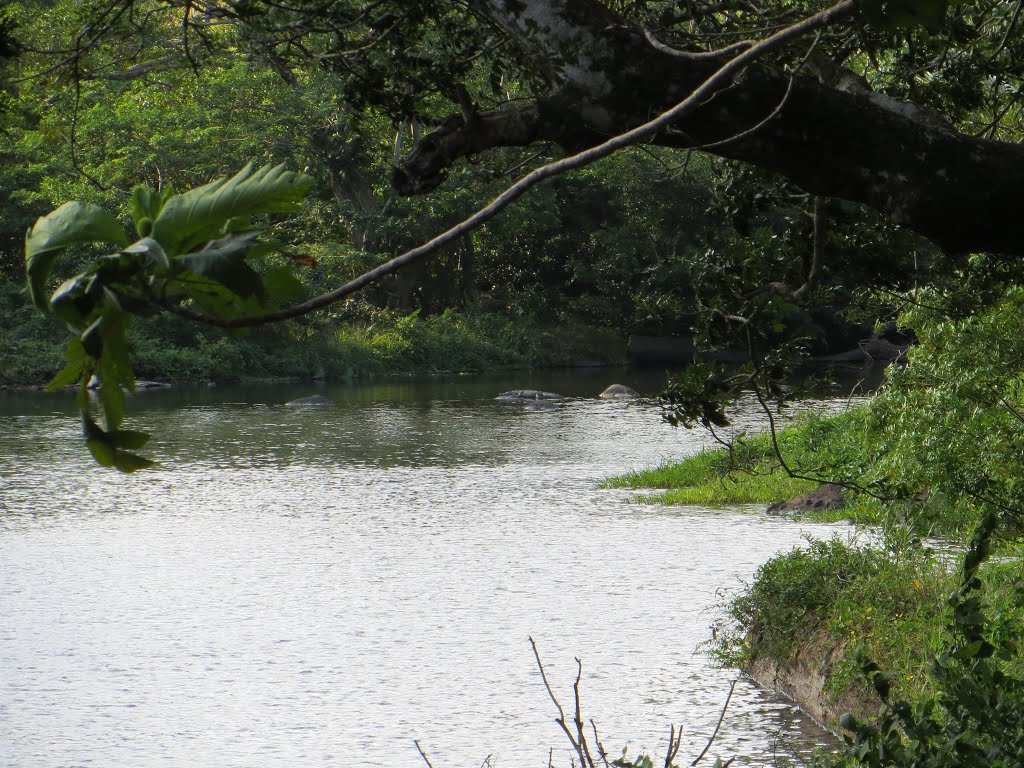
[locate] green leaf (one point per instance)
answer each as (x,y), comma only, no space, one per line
(105,446)
(223,260)
(146,205)
(115,348)
(92,338)
(128,438)
(66,376)
(151,248)
(71,302)
(112,399)
(201,214)
(72,223)
(102,451)
(282,285)
(130,462)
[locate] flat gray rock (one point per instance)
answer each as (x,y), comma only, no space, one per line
(314,401)
(525,395)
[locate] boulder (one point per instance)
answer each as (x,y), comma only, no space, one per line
(883,351)
(825,497)
(526,395)
(619,392)
(314,401)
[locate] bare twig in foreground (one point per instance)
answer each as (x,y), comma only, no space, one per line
(718,727)
(422,753)
(578,743)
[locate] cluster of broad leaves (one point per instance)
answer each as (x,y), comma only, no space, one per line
(191,250)
(976,720)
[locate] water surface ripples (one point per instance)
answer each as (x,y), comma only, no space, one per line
(322,587)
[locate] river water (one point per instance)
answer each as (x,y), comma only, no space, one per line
(323,587)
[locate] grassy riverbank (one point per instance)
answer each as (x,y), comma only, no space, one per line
(360,342)
(751,470)
(820,611)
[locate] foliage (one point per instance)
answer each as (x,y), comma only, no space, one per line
(950,421)
(710,478)
(343,88)
(31,344)
(817,448)
(880,600)
(977,716)
(194,249)
(384,341)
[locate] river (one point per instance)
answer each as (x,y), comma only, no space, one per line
(323,587)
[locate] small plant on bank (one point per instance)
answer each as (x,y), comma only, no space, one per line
(818,448)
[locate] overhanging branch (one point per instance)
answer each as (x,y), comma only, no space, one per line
(642,133)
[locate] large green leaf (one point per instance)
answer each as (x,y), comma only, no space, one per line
(146,204)
(150,248)
(223,260)
(108,447)
(202,213)
(72,223)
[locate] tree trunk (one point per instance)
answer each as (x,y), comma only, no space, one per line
(961,192)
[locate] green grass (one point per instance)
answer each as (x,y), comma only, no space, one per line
(704,479)
(816,446)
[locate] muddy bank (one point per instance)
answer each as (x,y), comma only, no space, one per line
(805,678)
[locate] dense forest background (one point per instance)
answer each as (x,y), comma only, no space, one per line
(647,242)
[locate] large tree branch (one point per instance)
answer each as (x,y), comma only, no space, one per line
(639,134)
(960,191)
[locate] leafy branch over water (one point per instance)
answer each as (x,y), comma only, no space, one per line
(192,249)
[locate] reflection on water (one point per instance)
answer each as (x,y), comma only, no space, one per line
(321,587)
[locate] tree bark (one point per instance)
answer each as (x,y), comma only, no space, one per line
(961,192)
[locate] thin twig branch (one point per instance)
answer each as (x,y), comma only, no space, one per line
(721,53)
(675,740)
(576,745)
(423,754)
(718,727)
(581,735)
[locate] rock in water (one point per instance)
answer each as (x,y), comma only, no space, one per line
(824,498)
(619,392)
(523,395)
(314,401)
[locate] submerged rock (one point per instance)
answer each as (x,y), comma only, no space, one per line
(826,497)
(314,401)
(523,395)
(619,392)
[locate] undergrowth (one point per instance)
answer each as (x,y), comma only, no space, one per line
(357,341)
(883,599)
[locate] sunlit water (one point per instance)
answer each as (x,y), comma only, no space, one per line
(323,587)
